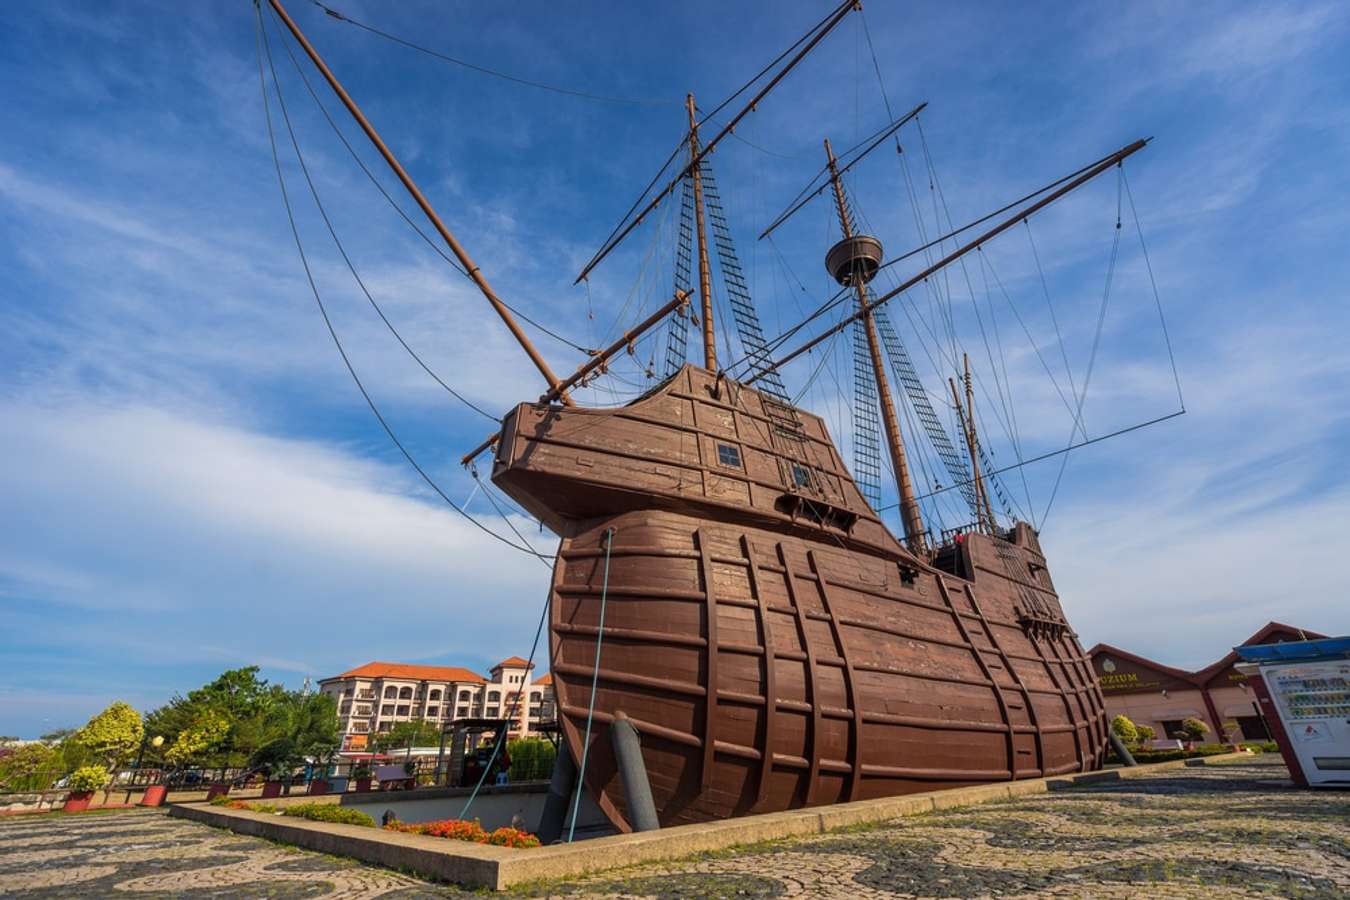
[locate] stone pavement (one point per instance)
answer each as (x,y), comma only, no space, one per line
(1235,830)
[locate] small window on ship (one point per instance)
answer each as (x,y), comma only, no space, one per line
(729,456)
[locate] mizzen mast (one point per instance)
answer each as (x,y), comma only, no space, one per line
(701,232)
(456,248)
(853,262)
(965,412)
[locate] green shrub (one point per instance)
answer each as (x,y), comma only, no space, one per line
(531,759)
(1123,728)
(1143,733)
(88,778)
(1260,746)
(1194,728)
(1155,756)
(329,812)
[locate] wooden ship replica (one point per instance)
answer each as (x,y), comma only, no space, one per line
(724,585)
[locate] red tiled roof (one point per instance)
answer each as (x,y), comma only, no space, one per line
(546,678)
(1201,677)
(411,672)
(514,662)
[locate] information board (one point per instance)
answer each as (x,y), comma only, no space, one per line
(1313,700)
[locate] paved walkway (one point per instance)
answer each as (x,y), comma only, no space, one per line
(1235,830)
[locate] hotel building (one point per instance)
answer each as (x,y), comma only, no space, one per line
(374,697)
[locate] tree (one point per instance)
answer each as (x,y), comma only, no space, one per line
(1143,733)
(417,733)
(249,705)
(29,767)
(1194,728)
(1124,729)
(113,735)
(196,743)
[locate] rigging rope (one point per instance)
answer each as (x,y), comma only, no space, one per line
(1157,300)
(323,212)
(595,678)
(505,76)
(264,46)
(497,746)
(434,245)
(1096,339)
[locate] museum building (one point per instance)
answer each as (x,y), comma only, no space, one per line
(1162,697)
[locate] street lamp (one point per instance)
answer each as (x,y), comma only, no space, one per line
(157,741)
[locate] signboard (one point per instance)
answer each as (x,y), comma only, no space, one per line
(1313,701)
(1122,676)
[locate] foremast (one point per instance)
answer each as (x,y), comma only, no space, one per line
(701,233)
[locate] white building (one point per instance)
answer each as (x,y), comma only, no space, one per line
(374,697)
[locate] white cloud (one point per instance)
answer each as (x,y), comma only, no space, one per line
(191,539)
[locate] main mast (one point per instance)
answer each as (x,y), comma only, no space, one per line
(853,262)
(704,268)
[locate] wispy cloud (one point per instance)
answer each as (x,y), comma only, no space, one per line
(191,480)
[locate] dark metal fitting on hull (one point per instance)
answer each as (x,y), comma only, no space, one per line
(628,754)
(1126,758)
(854,259)
(559,798)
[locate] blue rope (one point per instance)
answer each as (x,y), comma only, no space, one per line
(595,677)
(502,734)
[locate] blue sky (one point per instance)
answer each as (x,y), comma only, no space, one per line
(191,481)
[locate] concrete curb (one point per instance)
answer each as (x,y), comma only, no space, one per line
(480,865)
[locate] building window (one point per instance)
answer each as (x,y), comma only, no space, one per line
(384,726)
(492,712)
(494,696)
(463,696)
(435,695)
(535,696)
(729,456)
(463,712)
(536,712)
(1171,728)
(387,709)
(405,694)
(433,710)
(402,710)
(801,476)
(390,692)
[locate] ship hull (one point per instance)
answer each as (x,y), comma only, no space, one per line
(767,673)
(768,660)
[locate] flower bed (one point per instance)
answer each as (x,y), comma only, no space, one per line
(462,830)
(315,812)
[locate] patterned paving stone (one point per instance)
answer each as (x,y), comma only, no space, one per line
(1233,831)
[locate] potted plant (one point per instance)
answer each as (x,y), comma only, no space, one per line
(1143,735)
(1194,730)
(82,783)
(323,762)
(275,760)
(362,774)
